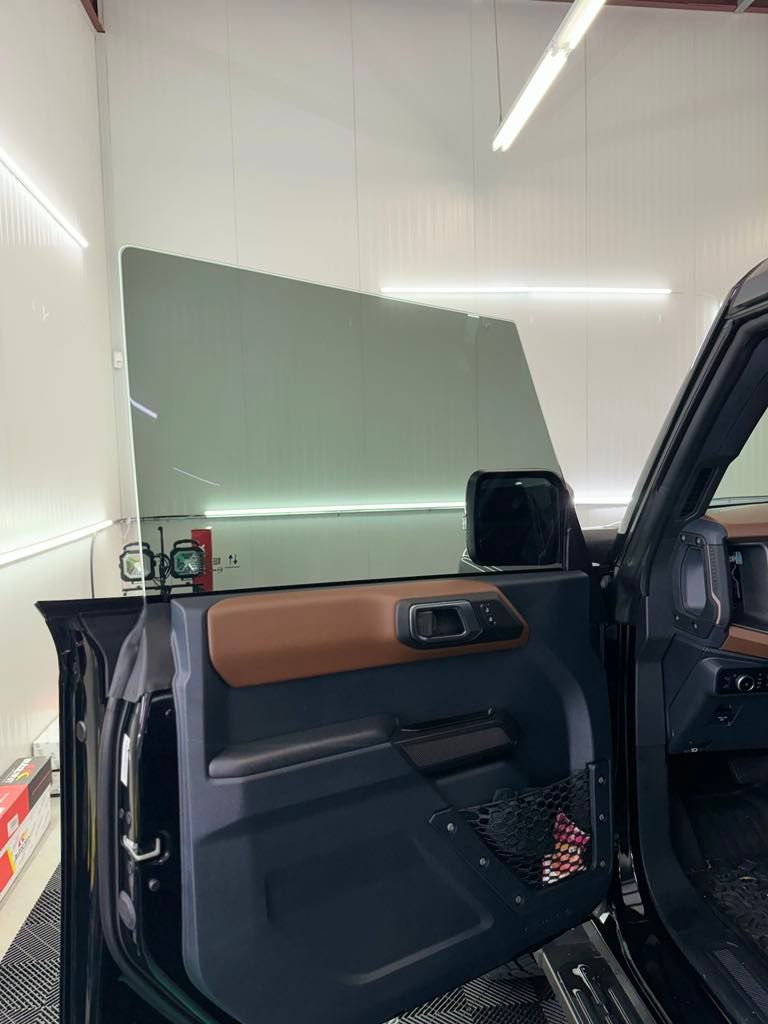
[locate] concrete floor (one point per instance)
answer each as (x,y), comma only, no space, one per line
(31,882)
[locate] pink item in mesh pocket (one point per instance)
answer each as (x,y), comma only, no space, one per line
(568,857)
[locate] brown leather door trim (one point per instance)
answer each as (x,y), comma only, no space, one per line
(751,642)
(742,522)
(273,637)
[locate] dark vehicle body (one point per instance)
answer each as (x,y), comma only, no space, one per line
(260,825)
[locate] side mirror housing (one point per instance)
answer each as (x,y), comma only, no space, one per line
(517,518)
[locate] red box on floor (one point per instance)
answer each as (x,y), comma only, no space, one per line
(25,813)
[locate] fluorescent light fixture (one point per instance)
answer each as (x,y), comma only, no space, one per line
(333,510)
(520,289)
(533,92)
(568,36)
(574,25)
(608,501)
(23,179)
(18,554)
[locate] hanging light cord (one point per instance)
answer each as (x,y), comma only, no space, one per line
(498,58)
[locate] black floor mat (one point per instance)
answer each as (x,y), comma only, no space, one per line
(513,994)
(732,826)
(740,893)
(731,829)
(517,993)
(29,971)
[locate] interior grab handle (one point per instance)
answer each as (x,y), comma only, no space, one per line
(485,618)
(442,622)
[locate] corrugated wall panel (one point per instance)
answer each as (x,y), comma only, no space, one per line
(643,165)
(58,467)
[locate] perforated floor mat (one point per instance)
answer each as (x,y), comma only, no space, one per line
(29,971)
(512,994)
(517,993)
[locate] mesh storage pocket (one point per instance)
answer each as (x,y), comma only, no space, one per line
(544,835)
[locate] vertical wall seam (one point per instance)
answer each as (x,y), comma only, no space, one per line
(232,134)
(470,15)
(354,144)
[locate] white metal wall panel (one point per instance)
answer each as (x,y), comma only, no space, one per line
(731,153)
(643,165)
(640,130)
(413,102)
(293,137)
(58,467)
(170,105)
(635,369)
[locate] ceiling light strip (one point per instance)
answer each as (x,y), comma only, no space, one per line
(24,180)
(334,510)
(602,501)
(568,36)
(521,289)
(30,550)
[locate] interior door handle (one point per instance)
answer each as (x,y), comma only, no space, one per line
(457,622)
(438,623)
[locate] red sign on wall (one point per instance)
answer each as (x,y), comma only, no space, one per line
(205,539)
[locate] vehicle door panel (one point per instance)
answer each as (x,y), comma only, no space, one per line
(331,867)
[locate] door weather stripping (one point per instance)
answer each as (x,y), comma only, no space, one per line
(588,980)
(135,853)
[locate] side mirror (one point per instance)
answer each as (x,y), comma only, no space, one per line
(517,518)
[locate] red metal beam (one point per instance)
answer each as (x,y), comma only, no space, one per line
(90,9)
(684,5)
(691,5)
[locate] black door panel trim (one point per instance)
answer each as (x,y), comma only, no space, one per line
(316,856)
(297,748)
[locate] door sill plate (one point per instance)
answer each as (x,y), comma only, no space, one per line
(588,980)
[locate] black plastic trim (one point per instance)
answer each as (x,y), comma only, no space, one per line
(246,759)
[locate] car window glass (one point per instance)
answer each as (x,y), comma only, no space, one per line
(319,434)
(746,479)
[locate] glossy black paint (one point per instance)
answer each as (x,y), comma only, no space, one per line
(116,984)
(114,981)
(718,406)
(634,930)
(80,979)
(118,975)
(88,636)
